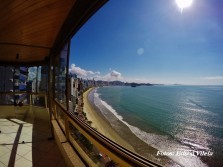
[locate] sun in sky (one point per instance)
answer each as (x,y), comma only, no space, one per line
(183,4)
(136,44)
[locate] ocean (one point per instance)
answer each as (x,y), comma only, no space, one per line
(183,122)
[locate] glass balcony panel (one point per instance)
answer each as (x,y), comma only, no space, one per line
(93,153)
(39,100)
(61,75)
(60,117)
(6,99)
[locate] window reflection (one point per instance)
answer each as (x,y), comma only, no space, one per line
(60,75)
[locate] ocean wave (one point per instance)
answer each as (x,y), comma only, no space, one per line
(96,95)
(165,144)
(160,142)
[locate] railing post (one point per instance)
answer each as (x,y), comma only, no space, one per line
(55,111)
(66,128)
(30,99)
(45,100)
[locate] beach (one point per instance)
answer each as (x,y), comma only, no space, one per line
(121,135)
(167,118)
(101,124)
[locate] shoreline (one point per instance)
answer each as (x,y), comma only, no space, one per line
(124,136)
(101,124)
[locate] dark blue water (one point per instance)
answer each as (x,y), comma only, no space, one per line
(172,118)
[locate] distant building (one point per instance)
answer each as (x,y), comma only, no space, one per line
(13,79)
(6,84)
(44,78)
(20,79)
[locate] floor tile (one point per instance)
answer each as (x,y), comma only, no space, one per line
(22,162)
(37,150)
(23,149)
(5,139)
(28,156)
(25,138)
(2,165)
(3,150)
(9,146)
(5,159)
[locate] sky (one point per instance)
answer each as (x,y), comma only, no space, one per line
(152,41)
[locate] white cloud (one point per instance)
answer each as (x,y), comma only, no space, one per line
(90,72)
(213,78)
(81,72)
(97,72)
(113,75)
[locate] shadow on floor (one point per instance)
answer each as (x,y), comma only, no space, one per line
(30,133)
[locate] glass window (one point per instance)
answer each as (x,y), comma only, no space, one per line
(61,74)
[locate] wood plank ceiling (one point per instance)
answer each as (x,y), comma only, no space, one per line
(29,28)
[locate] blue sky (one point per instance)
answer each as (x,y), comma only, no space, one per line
(152,41)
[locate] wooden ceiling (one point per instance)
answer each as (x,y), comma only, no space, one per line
(29,29)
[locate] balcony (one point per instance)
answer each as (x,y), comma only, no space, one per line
(43,132)
(31,135)
(24,138)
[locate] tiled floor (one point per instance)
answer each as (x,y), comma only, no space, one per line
(24,138)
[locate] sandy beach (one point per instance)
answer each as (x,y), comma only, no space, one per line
(134,144)
(101,124)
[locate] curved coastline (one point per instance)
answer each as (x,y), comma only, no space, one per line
(122,134)
(100,123)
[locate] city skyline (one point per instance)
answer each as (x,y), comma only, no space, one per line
(153,42)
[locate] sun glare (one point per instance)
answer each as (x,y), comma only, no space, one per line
(183,4)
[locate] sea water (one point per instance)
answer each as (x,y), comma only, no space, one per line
(184,123)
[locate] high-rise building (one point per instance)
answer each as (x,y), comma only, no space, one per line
(44,78)
(6,84)
(13,79)
(20,79)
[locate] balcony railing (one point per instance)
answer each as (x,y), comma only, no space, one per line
(94,148)
(23,98)
(90,142)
